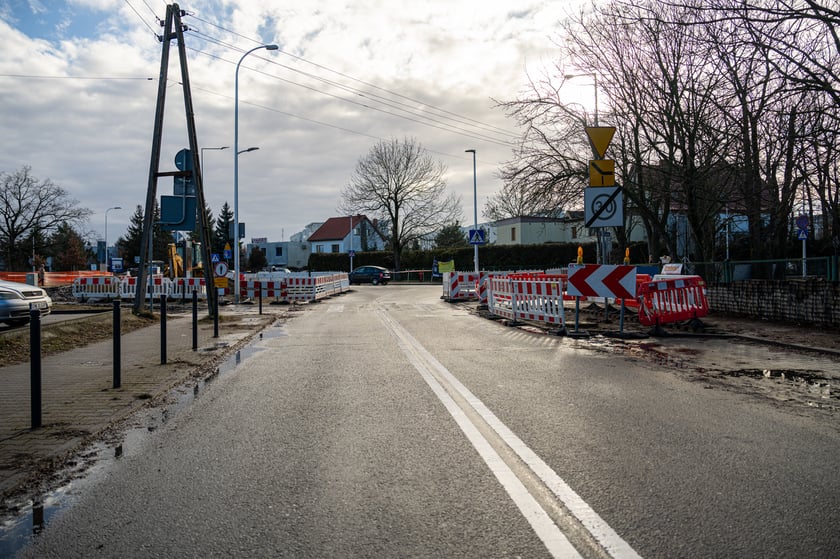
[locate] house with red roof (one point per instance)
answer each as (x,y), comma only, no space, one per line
(343,234)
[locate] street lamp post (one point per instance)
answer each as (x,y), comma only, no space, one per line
(475,210)
(236,167)
(106,233)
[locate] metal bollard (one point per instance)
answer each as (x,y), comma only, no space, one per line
(163,329)
(216,319)
(195,320)
(117,345)
(260,288)
(35,366)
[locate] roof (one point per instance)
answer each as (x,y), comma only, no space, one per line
(335,228)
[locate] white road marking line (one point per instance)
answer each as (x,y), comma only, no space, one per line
(545,528)
(597,527)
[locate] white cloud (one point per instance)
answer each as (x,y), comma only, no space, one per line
(93,136)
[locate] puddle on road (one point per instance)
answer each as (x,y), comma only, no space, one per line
(803,379)
(30,517)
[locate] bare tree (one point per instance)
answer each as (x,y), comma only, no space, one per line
(399,182)
(710,114)
(28,205)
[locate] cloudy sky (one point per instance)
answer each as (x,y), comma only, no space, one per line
(78,80)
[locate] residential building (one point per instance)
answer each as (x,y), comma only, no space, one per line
(342,234)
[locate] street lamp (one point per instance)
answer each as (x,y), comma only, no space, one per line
(595,77)
(236,167)
(475,211)
(202,157)
(106,233)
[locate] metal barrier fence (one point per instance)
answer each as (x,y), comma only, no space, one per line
(112,287)
(527,298)
(825,267)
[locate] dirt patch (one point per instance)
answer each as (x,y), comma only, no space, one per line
(63,336)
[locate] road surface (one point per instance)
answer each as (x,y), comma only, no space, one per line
(387,423)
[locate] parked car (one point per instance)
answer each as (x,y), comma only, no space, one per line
(370,274)
(17,298)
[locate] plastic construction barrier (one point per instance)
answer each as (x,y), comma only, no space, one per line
(270,289)
(314,288)
(533,297)
(96,287)
(183,288)
(111,287)
(484,284)
(666,301)
(634,303)
(460,286)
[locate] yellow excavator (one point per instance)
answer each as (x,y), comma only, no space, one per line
(184,260)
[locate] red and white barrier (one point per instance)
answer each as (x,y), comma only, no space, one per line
(185,286)
(460,286)
(313,288)
(111,287)
(665,301)
(267,289)
(96,287)
(527,298)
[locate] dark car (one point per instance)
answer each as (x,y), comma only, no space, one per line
(370,274)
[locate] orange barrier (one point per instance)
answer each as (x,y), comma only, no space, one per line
(54,279)
(672,300)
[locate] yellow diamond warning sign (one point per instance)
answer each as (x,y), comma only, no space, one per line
(600,138)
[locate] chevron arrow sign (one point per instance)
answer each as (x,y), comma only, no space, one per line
(602,280)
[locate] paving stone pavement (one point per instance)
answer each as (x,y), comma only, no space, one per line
(79,400)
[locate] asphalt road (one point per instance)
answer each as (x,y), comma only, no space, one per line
(387,423)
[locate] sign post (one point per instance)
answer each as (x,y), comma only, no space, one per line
(602,176)
(802,225)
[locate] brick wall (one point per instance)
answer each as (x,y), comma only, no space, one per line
(813,301)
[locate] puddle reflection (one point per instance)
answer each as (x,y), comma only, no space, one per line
(31,517)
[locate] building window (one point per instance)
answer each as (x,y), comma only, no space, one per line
(574,232)
(278,251)
(513,233)
(319,249)
(335,249)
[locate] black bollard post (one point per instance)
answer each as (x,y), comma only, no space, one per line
(216,318)
(117,345)
(35,366)
(195,319)
(260,288)
(163,329)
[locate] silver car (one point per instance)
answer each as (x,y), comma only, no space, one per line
(16,299)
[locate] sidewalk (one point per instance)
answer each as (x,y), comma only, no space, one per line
(78,398)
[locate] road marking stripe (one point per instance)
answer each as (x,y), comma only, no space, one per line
(597,527)
(545,528)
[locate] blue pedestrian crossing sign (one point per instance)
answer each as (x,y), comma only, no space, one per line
(214,258)
(476,236)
